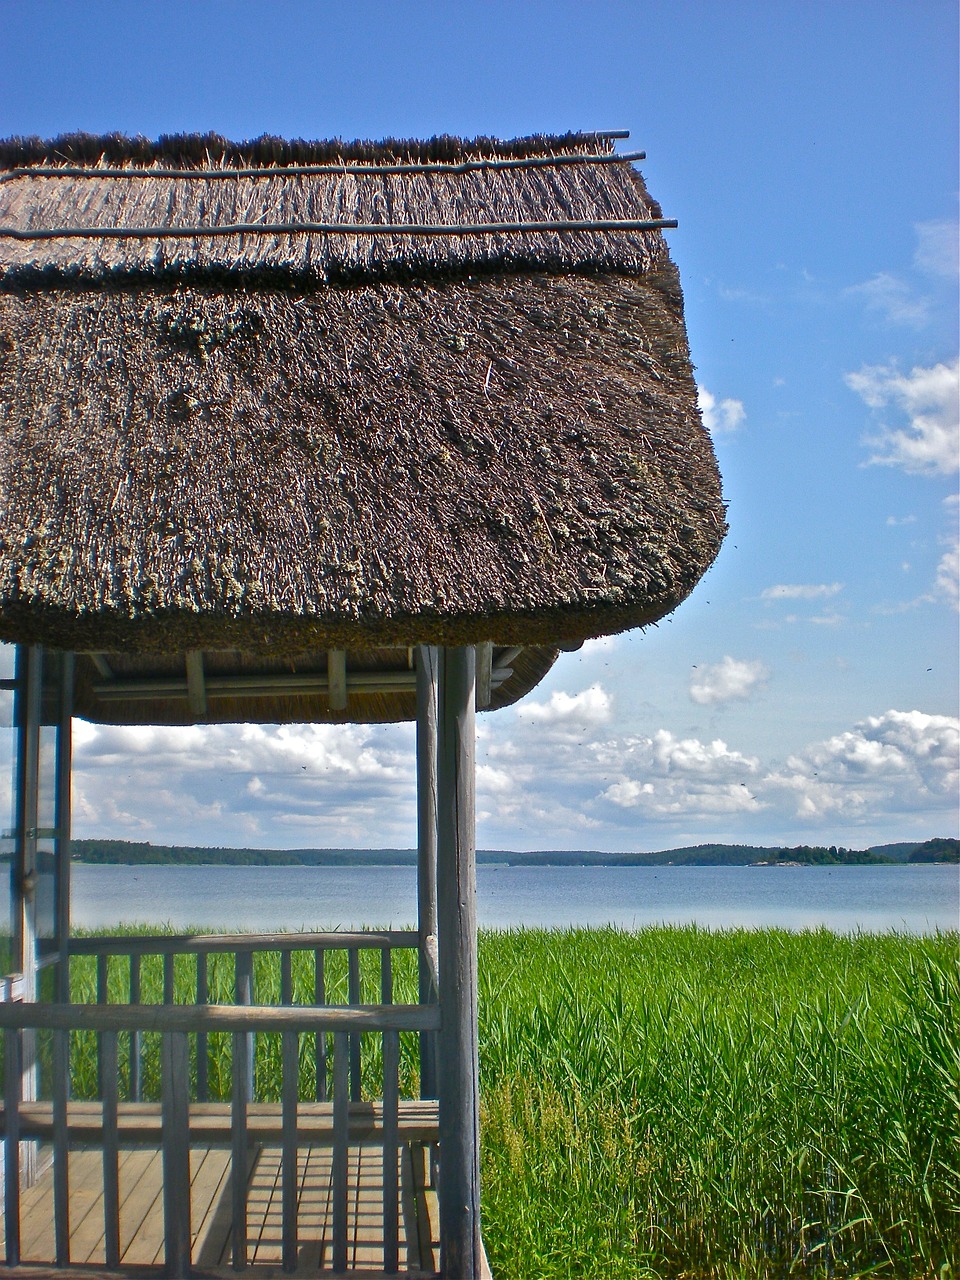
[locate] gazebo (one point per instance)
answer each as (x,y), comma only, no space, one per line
(310,431)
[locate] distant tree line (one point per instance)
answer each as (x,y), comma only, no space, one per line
(936,851)
(140,853)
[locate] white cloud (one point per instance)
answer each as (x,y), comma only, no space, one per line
(901,762)
(930,399)
(938,249)
(666,778)
(720,417)
(230,784)
(893,299)
(571,713)
(728,680)
(801,591)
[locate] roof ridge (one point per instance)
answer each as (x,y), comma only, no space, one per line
(201,150)
(346,167)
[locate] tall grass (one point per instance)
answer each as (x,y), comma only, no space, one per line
(679,1102)
(676,1102)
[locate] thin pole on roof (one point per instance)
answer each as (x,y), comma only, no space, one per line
(337,228)
(345,167)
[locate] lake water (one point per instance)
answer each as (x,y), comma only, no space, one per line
(914,899)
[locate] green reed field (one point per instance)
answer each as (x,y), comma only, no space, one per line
(675,1102)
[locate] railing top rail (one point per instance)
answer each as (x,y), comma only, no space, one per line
(190,944)
(216,1017)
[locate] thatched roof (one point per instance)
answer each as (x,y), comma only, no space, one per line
(262,398)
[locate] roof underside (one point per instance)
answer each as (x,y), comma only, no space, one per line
(335,686)
(285,442)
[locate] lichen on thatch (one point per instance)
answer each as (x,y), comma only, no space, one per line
(279,442)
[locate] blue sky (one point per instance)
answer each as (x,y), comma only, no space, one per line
(808,690)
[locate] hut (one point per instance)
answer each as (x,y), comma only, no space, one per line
(312,431)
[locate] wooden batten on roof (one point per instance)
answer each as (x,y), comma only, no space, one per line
(284,441)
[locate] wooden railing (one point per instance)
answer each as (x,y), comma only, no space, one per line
(278,948)
(154,1085)
(178,1123)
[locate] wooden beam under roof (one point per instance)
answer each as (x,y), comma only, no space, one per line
(196,685)
(297,684)
(337,679)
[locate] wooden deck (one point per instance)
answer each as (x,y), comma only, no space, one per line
(141,1215)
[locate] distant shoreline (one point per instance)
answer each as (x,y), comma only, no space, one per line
(143,853)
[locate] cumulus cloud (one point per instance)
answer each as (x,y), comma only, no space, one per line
(801,591)
(930,399)
(230,784)
(720,417)
(571,713)
(731,679)
(664,776)
(900,762)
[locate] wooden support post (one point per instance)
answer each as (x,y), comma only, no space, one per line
(341,1138)
(63,820)
(175,1105)
(391,1173)
(484,673)
(111,1152)
(61,1146)
(25,878)
(290,1093)
(238,1160)
(459,1183)
(12,1085)
(196,684)
(337,679)
(427,674)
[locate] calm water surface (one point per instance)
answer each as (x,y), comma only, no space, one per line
(915,899)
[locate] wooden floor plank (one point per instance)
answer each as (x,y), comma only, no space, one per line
(140,1187)
(141,1215)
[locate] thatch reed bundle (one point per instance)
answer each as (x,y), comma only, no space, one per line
(280,443)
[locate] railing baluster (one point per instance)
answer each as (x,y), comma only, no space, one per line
(102,998)
(386,976)
(320,1039)
(243,994)
(353,997)
(391,1106)
(13,1081)
(168,977)
(61,1146)
(135,1072)
(286,976)
(341,1134)
(175,1107)
(203,997)
(290,1095)
(111,1152)
(238,1164)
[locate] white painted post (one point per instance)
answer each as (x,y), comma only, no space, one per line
(459,1181)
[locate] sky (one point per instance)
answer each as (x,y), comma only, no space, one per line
(807,692)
